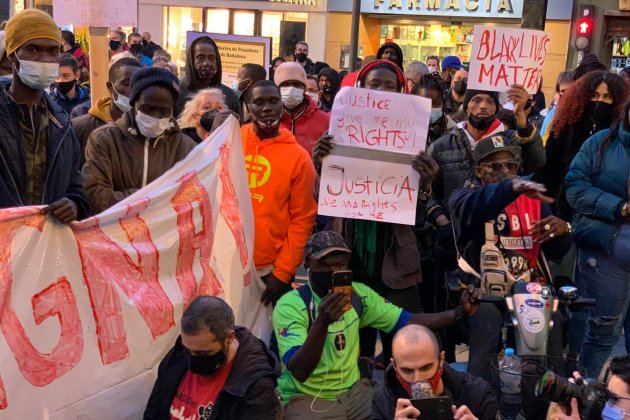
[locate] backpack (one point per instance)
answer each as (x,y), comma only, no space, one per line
(306,294)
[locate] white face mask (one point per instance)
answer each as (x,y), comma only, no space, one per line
(292,96)
(436,114)
(122,102)
(36,75)
(151,127)
(313,95)
(432,69)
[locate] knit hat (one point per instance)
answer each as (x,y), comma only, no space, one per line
(27,25)
(152,76)
(400,76)
(470,93)
(116,57)
(289,71)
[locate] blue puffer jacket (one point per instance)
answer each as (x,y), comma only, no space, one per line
(596,193)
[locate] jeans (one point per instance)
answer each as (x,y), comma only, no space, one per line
(607,279)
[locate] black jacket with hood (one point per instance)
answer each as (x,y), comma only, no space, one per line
(248,393)
(191,85)
(63,158)
(466,389)
(399,61)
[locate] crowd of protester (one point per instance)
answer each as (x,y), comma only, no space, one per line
(561,172)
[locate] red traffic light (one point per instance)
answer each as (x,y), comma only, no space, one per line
(584,26)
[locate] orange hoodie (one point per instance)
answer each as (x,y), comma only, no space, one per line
(281,181)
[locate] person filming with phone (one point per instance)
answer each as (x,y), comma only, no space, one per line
(420,384)
(317,327)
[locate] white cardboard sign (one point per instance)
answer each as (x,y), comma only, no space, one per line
(502,57)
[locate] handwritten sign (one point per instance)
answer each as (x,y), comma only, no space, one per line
(380,120)
(89,310)
(112,14)
(502,57)
(235,51)
(356,186)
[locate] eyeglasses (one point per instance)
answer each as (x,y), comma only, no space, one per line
(614,398)
(510,165)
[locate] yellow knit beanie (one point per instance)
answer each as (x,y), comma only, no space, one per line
(27,25)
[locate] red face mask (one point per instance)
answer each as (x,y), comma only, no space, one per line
(433,380)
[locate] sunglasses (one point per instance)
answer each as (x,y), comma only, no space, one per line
(510,165)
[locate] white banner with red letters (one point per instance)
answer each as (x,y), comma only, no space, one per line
(87,311)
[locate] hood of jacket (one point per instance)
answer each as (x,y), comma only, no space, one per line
(252,139)
(81,93)
(399,61)
(102,109)
(190,82)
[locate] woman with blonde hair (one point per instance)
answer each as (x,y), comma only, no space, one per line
(190,121)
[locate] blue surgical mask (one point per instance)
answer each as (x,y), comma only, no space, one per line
(612,413)
(436,114)
(122,101)
(37,75)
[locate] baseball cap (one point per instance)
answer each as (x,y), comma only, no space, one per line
(323,243)
(452,62)
(493,144)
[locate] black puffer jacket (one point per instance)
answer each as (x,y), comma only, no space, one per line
(454,156)
(468,390)
(248,393)
(63,157)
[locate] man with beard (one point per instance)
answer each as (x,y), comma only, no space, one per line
(281,180)
(454,151)
(204,70)
(301,57)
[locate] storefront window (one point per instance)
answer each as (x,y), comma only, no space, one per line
(180,20)
(419,42)
(43,5)
(218,21)
(285,29)
(244,23)
(620,53)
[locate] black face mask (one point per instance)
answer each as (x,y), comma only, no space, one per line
(481,123)
(206,365)
(301,57)
(136,49)
(322,278)
(114,45)
(599,111)
(65,87)
(326,90)
(460,86)
(145,42)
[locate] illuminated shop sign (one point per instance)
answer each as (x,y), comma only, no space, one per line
(512,9)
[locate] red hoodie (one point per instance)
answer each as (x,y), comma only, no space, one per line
(282,186)
(307,126)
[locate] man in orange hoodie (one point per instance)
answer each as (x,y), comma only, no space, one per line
(281,180)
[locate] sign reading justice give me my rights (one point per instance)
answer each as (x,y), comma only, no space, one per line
(378,121)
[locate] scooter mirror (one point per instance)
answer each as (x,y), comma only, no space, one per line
(568,293)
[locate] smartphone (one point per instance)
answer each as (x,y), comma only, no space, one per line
(342,282)
(436,408)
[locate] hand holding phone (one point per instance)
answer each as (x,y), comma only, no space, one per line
(342,282)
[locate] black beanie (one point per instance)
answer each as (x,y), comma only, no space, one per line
(470,93)
(151,76)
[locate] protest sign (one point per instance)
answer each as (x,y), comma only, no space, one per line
(502,57)
(237,50)
(108,14)
(378,120)
(371,185)
(88,310)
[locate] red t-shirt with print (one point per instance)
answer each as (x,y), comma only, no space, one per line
(197,394)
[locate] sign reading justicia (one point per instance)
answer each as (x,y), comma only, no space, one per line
(463,8)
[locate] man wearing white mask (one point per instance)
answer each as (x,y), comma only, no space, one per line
(86,118)
(145,142)
(300,114)
(39,151)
